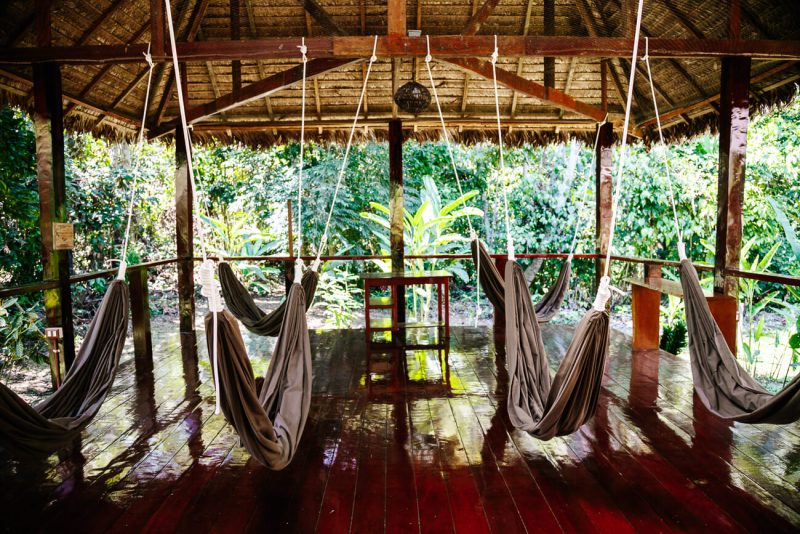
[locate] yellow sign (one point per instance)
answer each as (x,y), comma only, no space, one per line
(63,236)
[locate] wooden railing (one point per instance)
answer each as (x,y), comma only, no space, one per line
(139,293)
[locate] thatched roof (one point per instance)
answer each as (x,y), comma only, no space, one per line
(108,98)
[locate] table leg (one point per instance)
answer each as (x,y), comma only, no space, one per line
(439,301)
(447,308)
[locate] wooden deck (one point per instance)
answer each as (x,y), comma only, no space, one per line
(420,446)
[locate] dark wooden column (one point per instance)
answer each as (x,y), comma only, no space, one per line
(603,194)
(48,123)
(157,27)
(549,29)
(734,116)
(396,207)
(236,65)
(185,236)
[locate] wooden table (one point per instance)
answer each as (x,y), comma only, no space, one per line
(397,280)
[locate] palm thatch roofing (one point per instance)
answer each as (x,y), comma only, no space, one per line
(108,98)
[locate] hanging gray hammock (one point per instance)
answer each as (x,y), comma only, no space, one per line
(493,285)
(540,405)
(243,307)
(722,384)
(269,421)
(59,419)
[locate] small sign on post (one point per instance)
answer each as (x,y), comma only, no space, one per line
(63,236)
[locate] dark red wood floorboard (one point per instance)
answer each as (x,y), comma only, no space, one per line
(402,511)
(369,504)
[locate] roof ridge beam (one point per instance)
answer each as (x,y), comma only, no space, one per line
(401,46)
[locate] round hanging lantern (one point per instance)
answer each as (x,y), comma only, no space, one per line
(412,98)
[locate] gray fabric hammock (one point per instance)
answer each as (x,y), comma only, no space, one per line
(543,407)
(493,285)
(722,384)
(241,304)
(270,421)
(59,419)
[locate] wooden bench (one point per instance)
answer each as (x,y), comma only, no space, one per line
(646,309)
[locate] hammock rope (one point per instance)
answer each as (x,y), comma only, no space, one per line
(472,233)
(542,405)
(210,286)
(324,241)
(123,264)
(503,177)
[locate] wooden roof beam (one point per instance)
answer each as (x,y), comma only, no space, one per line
(550,96)
(104,16)
(399,46)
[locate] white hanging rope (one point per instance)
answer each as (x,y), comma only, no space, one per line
(343,168)
(646,59)
(472,234)
(299,262)
(123,262)
(604,288)
(509,239)
(210,286)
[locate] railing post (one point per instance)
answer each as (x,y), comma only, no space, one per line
(140,314)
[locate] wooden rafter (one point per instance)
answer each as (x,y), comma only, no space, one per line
(479,17)
(259,89)
(262,73)
(526,27)
(104,16)
(75,99)
(550,96)
(465,89)
(589,21)
(198,13)
(125,93)
(681,110)
(683,20)
(318,13)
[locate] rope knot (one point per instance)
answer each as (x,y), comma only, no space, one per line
(495,55)
(603,294)
(210,286)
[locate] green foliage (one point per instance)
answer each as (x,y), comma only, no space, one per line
(674,337)
(20,332)
(426,231)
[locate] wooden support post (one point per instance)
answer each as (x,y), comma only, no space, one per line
(140,314)
(236,65)
(603,195)
(549,29)
(48,122)
(646,312)
(396,208)
(157,27)
(396,17)
(185,236)
(733,122)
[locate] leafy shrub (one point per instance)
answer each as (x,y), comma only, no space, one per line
(674,337)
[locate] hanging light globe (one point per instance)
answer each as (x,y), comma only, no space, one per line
(412,98)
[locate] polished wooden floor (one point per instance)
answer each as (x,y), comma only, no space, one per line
(421,442)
